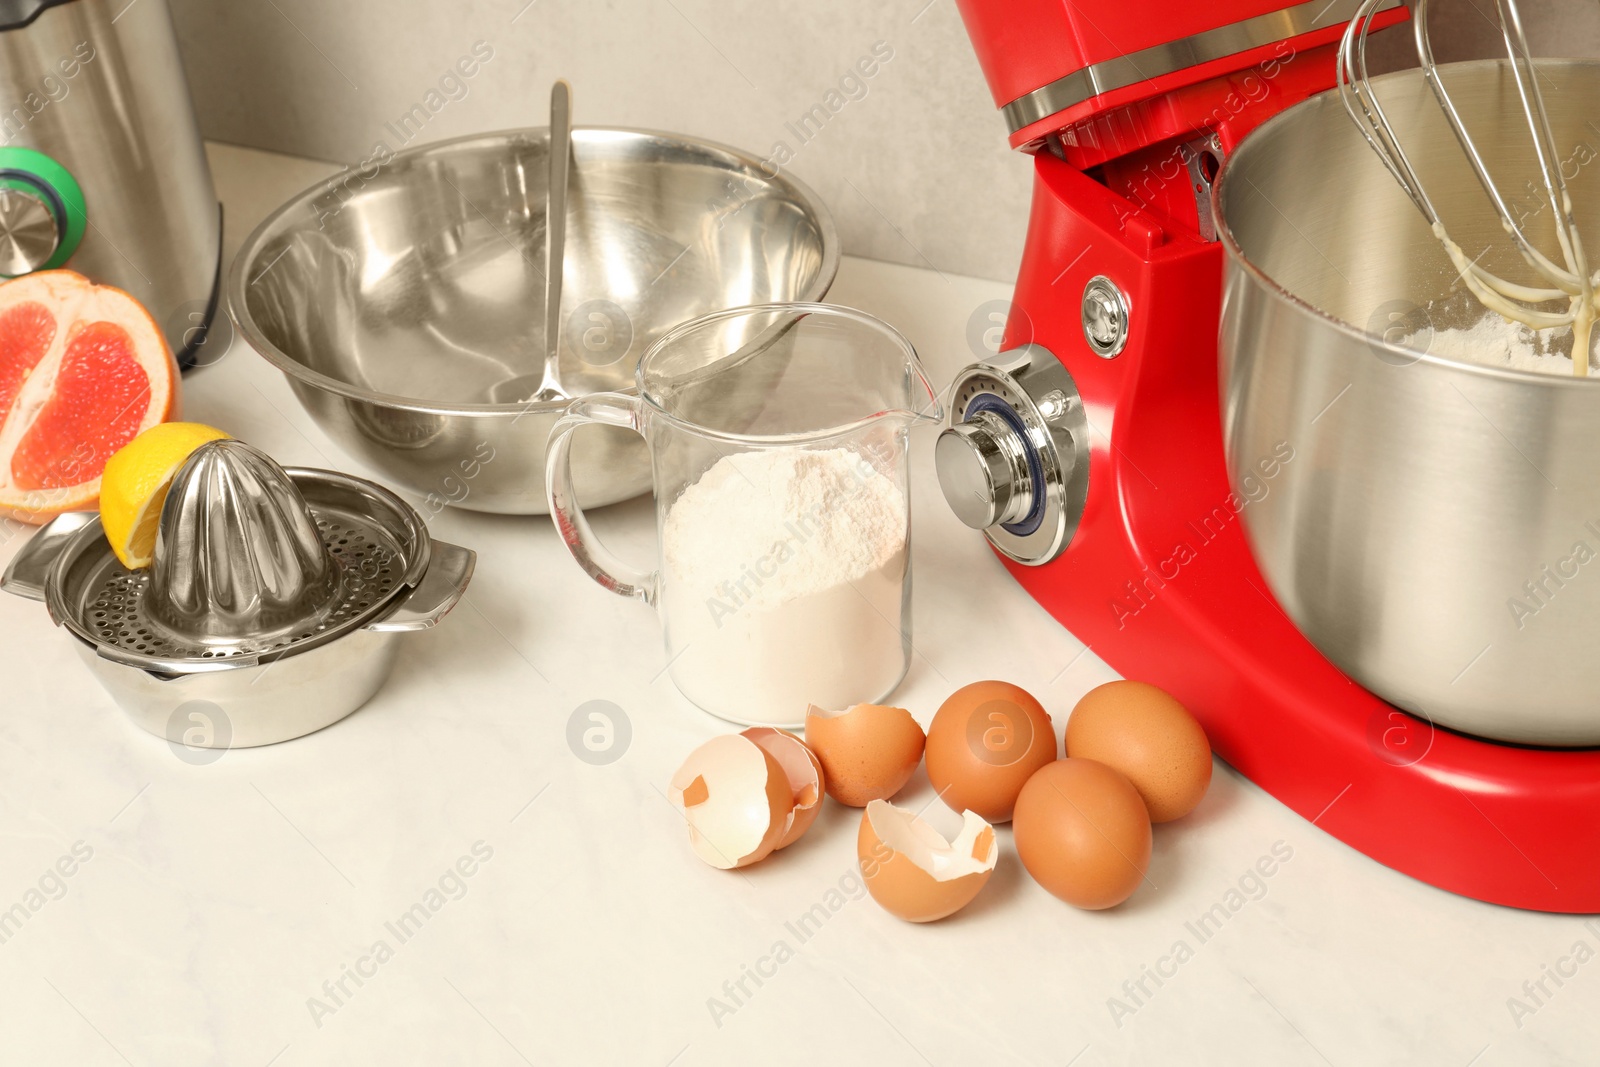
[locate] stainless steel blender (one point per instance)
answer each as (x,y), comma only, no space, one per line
(101,165)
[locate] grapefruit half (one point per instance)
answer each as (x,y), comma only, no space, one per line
(83,370)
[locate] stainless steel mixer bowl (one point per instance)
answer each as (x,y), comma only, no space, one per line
(1436,531)
(404,300)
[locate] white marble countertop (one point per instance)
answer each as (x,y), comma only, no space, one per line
(245,912)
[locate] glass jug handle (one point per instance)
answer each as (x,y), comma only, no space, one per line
(606,409)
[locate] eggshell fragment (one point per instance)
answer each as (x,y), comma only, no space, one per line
(1083,832)
(1148,736)
(986,740)
(868,752)
(803,771)
(736,799)
(913,871)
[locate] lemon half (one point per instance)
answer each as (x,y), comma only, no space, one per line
(135,483)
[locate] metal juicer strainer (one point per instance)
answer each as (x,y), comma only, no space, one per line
(271,606)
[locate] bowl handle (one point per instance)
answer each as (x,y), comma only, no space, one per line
(449,570)
(29,573)
(607,409)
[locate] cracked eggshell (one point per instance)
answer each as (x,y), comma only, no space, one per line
(913,871)
(736,799)
(868,751)
(803,771)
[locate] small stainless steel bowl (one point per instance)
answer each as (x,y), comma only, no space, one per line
(404,301)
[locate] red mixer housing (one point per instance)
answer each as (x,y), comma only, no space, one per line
(1129,109)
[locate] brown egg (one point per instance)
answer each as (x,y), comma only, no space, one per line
(985,742)
(1083,832)
(913,872)
(801,768)
(868,752)
(1148,736)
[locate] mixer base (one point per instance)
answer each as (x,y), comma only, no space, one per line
(1160,582)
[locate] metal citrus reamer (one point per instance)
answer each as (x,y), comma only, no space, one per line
(271,610)
(1570,280)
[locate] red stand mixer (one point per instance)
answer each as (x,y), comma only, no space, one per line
(1090,449)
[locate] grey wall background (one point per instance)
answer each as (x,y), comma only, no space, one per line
(916,170)
(914,164)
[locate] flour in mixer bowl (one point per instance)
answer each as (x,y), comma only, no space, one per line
(1496,341)
(786,571)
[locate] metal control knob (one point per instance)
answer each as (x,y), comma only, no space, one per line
(29,235)
(983,470)
(1014,461)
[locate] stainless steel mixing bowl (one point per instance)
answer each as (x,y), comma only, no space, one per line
(1437,532)
(404,300)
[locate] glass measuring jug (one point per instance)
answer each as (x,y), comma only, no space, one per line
(778,438)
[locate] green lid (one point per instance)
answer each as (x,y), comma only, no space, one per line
(38,175)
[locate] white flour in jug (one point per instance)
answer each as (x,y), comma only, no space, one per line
(785,572)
